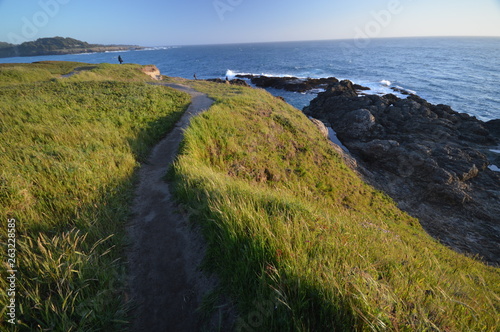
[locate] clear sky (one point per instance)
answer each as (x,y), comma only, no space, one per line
(184,22)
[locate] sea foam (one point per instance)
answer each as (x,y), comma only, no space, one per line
(232,74)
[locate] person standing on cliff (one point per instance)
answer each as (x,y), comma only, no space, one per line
(120,59)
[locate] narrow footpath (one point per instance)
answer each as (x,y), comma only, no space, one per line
(164,281)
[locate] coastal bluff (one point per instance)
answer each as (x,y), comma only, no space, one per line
(434,162)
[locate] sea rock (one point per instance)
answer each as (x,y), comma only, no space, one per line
(238,82)
(432,160)
(232,82)
(293,84)
(494,127)
(401,91)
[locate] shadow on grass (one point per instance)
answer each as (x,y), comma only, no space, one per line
(269,298)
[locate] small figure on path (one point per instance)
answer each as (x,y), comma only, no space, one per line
(120,59)
(195,76)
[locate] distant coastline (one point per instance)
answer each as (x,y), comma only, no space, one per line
(58,46)
(454,71)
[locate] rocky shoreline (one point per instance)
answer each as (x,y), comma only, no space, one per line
(434,162)
(294,84)
(437,164)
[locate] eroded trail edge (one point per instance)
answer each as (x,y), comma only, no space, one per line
(165,283)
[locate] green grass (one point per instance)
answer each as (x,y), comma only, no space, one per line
(102,72)
(302,244)
(69,150)
(22,73)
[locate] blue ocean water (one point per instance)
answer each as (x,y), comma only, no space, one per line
(461,72)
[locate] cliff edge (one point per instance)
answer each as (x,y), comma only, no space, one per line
(433,161)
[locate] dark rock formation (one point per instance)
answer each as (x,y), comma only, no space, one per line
(428,158)
(232,82)
(401,91)
(293,84)
(494,127)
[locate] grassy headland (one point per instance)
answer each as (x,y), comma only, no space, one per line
(57,46)
(302,244)
(69,149)
(298,240)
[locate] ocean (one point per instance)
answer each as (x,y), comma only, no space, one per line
(463,72)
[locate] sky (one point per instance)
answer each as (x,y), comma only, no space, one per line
(193,22)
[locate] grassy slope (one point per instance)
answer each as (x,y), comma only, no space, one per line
(69,148)
(302,244)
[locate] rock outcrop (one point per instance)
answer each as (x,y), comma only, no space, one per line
(321,127)
(430,159)
(231,82)
(152,71)
(293,84)
(494,127)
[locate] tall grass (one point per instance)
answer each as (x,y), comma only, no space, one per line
(69,149)
(302,244)
(126,72)
(22,73)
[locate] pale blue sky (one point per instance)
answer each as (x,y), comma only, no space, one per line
(181,22)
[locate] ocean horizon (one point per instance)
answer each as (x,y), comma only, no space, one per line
(458,71)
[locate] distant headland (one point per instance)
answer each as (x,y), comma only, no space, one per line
(58,46)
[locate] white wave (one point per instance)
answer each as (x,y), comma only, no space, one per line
(318,90)
(158,48)
(383,87)
(495,151)
(494,168)
(122,51)
(278,75)
(407,90)
(232,74)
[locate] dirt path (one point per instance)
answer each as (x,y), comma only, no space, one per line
(164,281)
